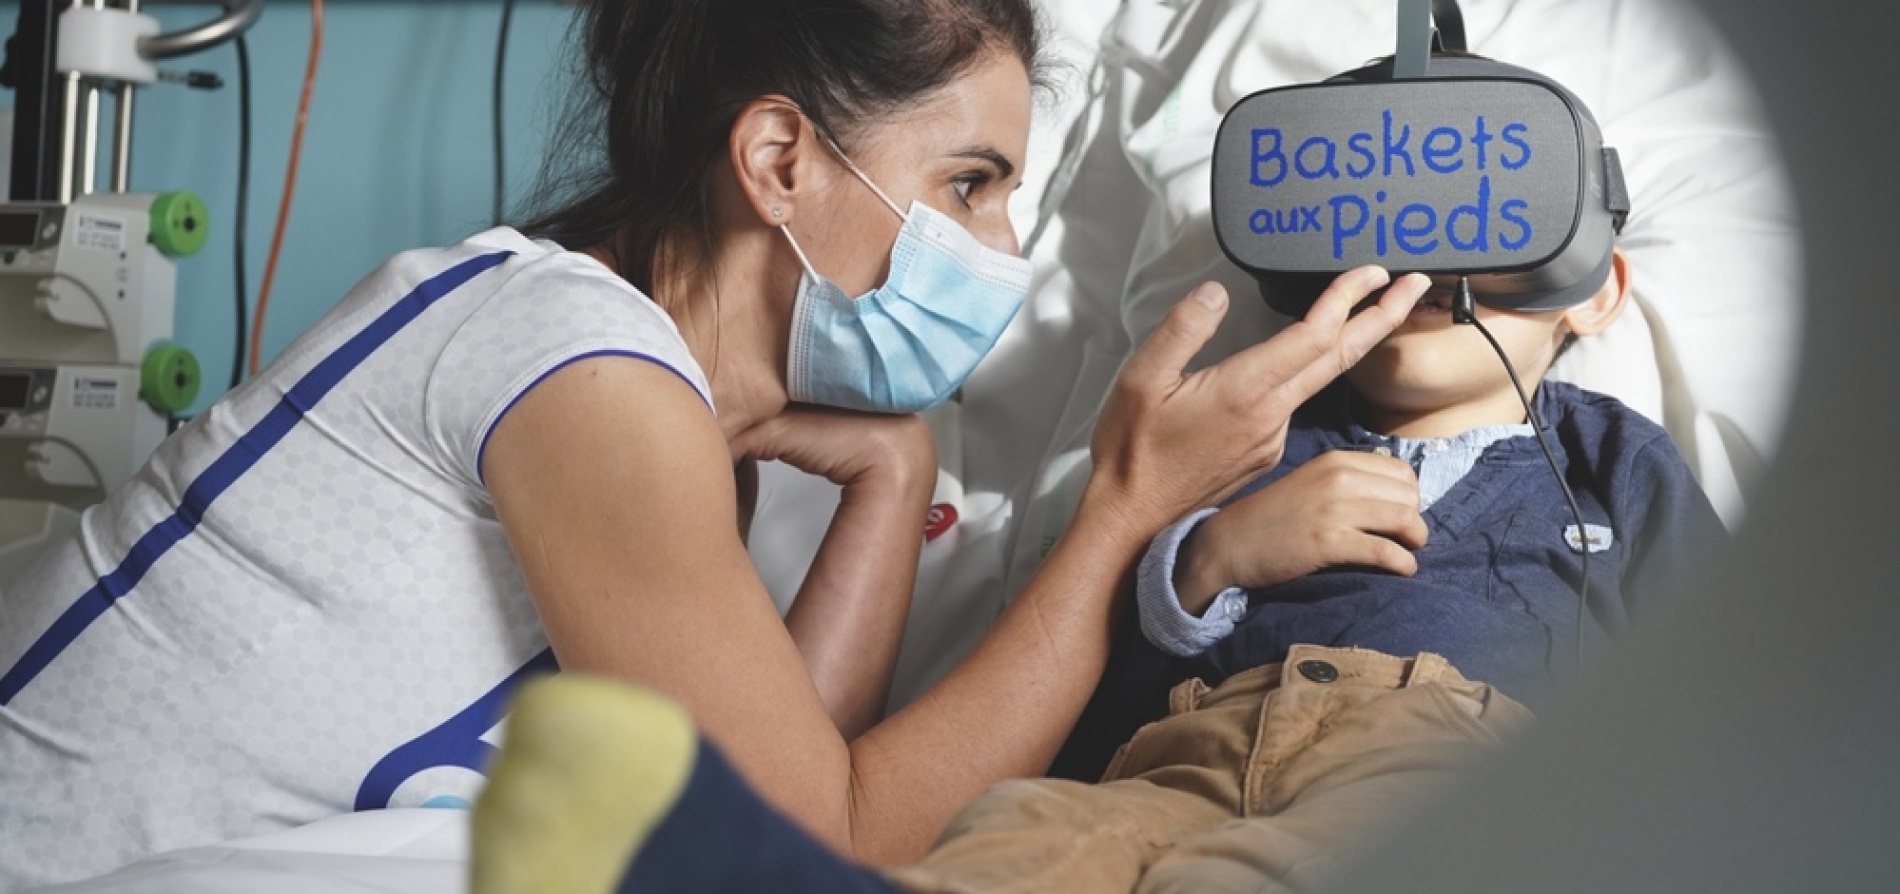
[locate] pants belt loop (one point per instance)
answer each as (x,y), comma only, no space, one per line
(1427,667)
(1186,696)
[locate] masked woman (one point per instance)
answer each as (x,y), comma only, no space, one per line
(519,452)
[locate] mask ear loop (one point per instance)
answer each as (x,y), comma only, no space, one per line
(786,228)
(856,171)
(859,173)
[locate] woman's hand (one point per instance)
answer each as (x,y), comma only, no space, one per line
(1168,442)
(844,447)
(848,618)
(1342,508)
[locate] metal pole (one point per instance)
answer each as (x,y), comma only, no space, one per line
(89,144)
(238,16)
(89,149)
(37,126)
(68,137)
(122,132)
(122,141)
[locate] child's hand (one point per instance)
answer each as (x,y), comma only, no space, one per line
(1341,508)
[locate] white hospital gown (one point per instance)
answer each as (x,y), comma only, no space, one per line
(303,605)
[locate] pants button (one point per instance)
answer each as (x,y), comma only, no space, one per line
(1318,671)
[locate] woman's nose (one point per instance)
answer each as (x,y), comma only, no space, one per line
(1002,237)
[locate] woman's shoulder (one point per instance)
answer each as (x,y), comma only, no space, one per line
(554,306)
(549,310)
(556,272)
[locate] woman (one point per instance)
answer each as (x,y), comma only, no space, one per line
(518,451)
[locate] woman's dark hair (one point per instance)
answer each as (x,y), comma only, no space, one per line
(664,80)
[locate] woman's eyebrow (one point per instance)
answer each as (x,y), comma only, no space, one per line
(985,153)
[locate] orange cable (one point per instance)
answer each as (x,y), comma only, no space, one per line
(290,184)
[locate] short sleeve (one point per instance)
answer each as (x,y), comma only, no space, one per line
(552,311)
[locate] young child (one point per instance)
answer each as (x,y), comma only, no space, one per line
(1415,511)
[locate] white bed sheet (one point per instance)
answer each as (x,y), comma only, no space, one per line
(403,851)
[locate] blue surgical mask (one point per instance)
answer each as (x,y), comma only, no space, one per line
(907,345)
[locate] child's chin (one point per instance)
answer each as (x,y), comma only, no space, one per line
(1403,371)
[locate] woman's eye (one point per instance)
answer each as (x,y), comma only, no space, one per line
(968,185)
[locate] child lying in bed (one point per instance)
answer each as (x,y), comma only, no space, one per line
(1266,709)
(1415,511)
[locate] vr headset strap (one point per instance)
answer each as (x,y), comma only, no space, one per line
(1450,22)
(1425,26)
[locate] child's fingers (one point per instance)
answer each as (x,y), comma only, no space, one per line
(1382,466)
(1369,544)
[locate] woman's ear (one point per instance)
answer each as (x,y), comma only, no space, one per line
(1602,309)
(769,145)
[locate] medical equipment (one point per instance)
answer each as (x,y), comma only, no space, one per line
(90,382)
(1457,165)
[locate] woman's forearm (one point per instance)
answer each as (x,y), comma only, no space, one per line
(1005,711)
(848,619)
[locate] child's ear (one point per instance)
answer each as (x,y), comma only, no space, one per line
(1595,315)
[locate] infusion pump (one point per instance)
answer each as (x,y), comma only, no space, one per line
(89,378)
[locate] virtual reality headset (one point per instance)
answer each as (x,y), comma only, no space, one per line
(1475,169)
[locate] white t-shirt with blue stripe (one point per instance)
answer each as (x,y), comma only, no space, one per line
(303,604)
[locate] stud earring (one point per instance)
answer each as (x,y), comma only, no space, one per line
(778,213)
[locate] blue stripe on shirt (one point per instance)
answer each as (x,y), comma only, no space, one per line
(456,743)
(225,471)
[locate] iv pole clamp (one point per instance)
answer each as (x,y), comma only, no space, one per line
(100,41)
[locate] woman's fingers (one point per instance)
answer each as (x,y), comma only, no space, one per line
(760,442)
(1305,357)
(1308,341)
(1158,362)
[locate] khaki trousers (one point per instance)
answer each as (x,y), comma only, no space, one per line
(1260,785)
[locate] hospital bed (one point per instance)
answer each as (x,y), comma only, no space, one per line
(1120,200)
